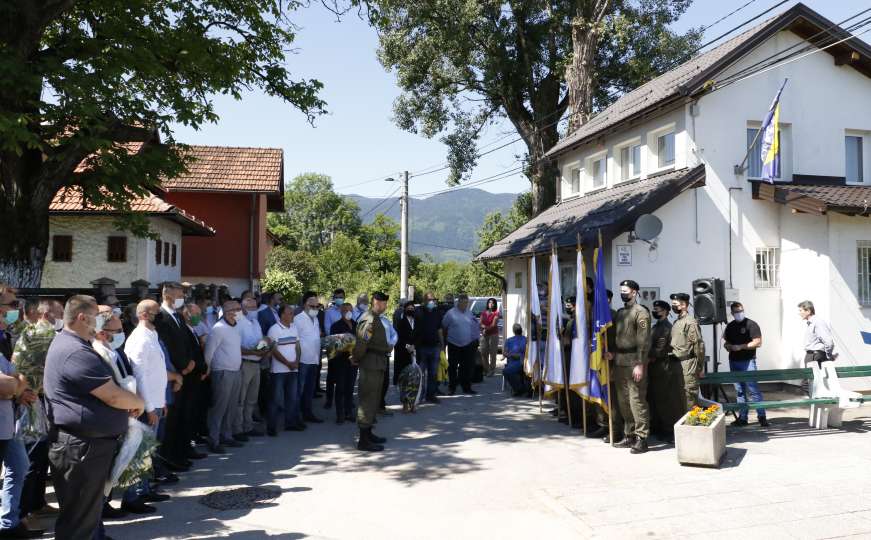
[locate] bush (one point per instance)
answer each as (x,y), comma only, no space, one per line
(283,282)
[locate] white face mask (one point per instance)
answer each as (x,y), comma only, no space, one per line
(58,325)
(117,341)
(312,313)
(347,315)
(738,316)
(100,322)
(251,315)
(178,303)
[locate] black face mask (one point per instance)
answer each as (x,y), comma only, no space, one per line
(675,309)
(409,313)
(625,297)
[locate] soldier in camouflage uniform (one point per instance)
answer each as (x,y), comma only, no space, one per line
(32,344)
(687,347)
(371,353)
(630,359)
(665,390)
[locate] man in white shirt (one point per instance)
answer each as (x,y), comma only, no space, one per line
(224,360)
(149,366)
(284,370)
(309,330)
(251,334)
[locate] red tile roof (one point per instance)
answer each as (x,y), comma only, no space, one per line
(70,201)
(228,168)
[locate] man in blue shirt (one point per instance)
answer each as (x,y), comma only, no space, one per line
(461,333)
(515,351)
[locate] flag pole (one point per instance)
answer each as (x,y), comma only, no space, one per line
(583,299)
(608,364)
(739,169)
(528,320)
(560,350)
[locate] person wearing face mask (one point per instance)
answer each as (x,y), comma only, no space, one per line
(688,348)
(741,338)
(269,316)
(371,353)
(252,336)
(345,373)
(632,333)
(665,392)
(331,316)
(406,330)
(361,307)
(308,328)
(223,357)
(429,342)
(88,413)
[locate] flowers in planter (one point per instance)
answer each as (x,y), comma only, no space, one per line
(703,417)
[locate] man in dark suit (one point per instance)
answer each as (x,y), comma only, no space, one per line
(269,316)
(175,335)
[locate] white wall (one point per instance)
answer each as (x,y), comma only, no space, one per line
(158,273)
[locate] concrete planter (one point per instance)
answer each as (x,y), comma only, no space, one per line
(700,445)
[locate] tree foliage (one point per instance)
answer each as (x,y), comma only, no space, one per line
(462,65)
(91,79)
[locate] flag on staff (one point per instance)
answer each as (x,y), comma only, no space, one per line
(554,371)
(579,371)
(535,313)
(599,369)
(770,147)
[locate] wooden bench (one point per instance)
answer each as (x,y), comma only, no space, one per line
(827,400)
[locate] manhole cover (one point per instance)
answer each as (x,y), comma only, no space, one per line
(240,498)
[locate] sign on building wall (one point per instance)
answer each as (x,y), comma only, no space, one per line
(624,255)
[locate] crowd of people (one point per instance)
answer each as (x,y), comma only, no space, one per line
(201,376)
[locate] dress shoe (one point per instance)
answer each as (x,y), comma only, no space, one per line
(254,433)
(241,437)
(351,417)
(598,432)
(433,399)
(452,391)
(563,419)
(20,531)
(340,420)
(470,392)
(155,496)
(295,427)
(176,467)
(272,433)
(232,443)
(138,507)
(110,512)
(763,422)
(553,412)
(217,448)
(169,478)
(607,438)
(313,419)
(740,422)
(625,442)
(199,439)
(639,447)
(328,404)
(193,454)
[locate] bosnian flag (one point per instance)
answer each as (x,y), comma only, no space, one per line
(554,371)
(770,147)
(579,370)
(535,315)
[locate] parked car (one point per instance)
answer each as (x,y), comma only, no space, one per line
(477,304)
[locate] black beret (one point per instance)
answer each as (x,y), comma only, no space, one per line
(682,296)
(570,300)
(662,304)
(632,284)
(380,296)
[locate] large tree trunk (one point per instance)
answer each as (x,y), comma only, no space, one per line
(580,73)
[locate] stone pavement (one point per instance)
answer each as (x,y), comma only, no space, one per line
(489,466)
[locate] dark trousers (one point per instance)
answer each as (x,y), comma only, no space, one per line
(202,402)
(461,362)
(265,392)
(331,379)
(345,376)
(33,494)
(81,467)
(180,420)
(385,385)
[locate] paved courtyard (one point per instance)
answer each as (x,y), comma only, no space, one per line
(489,466)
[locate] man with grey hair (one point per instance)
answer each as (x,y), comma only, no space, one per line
(252,335)
(88,413)
(459,327)
(361,307)
(223,357)
(819,345)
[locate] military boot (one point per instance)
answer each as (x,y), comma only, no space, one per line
(375,438)
(366,444)
(639,447)
(625,442)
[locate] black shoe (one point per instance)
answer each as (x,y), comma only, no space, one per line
(296,427)
(375,438)
(340,420)
(553,412)
(328,404)
(232,443)
(138,507)
(254,433)
(625,442)
(241,437)
(384,411)
(272,433)
(740,422)
(21,531)
(452,391)
(351,417)
(639,447)
(763,422)
(193,454)
(470,392)
(439,393)
(366,444)
(217,448)
(170,478)
(110,512)
(433,399)
(313,419)
(598,432)
(176,467)
(199,439)
(607,438)
(155,496)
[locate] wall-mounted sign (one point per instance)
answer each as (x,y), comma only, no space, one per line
(624,255)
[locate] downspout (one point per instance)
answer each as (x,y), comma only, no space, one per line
(730,232)
(693,111)
(251,242)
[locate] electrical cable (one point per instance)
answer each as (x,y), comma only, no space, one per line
(382,201)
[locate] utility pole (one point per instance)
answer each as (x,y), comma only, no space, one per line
(403,236)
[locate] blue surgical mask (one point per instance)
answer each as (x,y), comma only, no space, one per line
(210,310)
(338,301)
(117,341)
(738,316)
(12,316)
(430,305)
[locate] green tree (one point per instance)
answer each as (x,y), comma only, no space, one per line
(85,80)
(464,64)
(314,214)
(302,265)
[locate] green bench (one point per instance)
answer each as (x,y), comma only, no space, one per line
(824,410)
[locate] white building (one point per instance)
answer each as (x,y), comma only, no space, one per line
(85,243)
(671,147)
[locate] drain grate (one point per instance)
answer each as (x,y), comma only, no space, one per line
(240,498)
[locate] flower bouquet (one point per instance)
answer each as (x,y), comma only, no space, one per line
(338,343)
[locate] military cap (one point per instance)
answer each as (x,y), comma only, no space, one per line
(662,304)
(682,296)
(570,300)
(380,296)
(632,284)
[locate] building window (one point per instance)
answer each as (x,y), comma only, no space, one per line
(630,162)
(855,173)
(767,268)
(174,254)
(518,280)
(864,249)
(599,172)
(576,180)
(62,248)
(166,253)
(117,249)
(158,252)
(665,150)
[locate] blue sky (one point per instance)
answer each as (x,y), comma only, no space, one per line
(357,141)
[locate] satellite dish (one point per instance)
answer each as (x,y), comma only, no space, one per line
(647,227)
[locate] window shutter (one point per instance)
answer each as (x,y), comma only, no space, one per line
(62,248)
(166,253)
(174,254)
(158,251)
(117,249)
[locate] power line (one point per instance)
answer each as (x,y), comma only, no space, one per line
(442,247)
(382,201)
